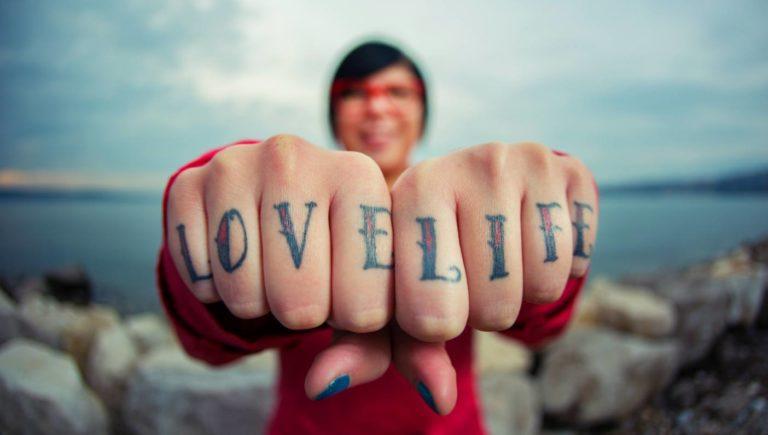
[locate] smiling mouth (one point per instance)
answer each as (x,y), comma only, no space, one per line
(377,141)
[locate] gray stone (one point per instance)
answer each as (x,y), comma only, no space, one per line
(42,393)
(702,311)
(44,319)
(9,322)
(169,393)
(746,291)
(149,332)
(595,375)
(111,359)
(77,337)
(497,354)
(25,288)
(510,404)
(628,308)
(64,326)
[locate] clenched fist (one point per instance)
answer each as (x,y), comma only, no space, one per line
(481,229)
(315,236)
(288,228)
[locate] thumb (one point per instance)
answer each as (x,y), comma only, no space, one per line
(352,359)
(428,367)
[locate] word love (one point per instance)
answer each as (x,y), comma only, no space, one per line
(296,242)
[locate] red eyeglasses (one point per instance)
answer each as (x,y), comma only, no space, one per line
(359,91)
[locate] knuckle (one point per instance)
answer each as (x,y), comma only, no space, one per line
(226,162)
(247,309)
(363,321)
(416,181)
(186,187)
(205,292)
(282,154)
(433,329)
(544,293)
(359,164)
(490,160)
(303,317)
(579,268)
(537,157)
(497,316)
(576,169)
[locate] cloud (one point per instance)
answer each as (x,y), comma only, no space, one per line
(145,85)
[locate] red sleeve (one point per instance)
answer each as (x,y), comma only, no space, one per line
(209,331)
(538,323)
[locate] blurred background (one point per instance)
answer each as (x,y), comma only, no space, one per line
(101,101)
(666,102)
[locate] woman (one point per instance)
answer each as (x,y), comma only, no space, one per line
(283,244)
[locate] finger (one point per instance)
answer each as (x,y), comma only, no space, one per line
(489,217)
(295,232)
(361,232)
(584,213)
(430,290)
(186,230)
(233,233)
(428,368)
(546,235)
(351,360)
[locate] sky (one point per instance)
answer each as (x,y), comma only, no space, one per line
(119,94)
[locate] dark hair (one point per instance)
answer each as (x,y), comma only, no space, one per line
(369,58)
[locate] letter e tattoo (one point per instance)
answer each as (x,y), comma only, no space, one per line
(581,227)
(369,233)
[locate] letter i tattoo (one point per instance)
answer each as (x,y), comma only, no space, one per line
(548,229)
(497,245)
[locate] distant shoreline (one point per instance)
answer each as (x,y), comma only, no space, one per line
(80,194)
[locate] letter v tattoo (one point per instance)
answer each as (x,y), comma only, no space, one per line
(286,223)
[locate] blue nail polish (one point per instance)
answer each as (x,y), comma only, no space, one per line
(427,396)
(336,386)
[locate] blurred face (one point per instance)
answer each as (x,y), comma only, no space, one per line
(381,116)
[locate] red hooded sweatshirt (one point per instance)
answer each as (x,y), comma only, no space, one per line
(388,405)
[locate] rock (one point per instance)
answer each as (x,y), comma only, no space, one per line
(747,292)
(758,251)
(169,393)
(149,331)
(9,322)
(69,284)
(43,319)
(631,309)
(510,404)
(497,354)
(64,326)
(77,337)
(42,393)
(585,312)
(596,375)
(28,287)
(111,359)
(706,304)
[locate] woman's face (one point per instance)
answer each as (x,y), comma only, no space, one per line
(381,116)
